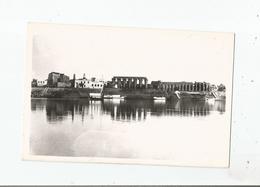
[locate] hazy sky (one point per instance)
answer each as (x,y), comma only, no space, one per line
(158,54)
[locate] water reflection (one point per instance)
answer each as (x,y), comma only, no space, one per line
(132,110)
(81,127)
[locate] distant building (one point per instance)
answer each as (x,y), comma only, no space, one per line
(64,84)
(126,82)
(108,84)
(38,83)
(89,83)
(42,83)
(156,84)
(34,83)
(58,80)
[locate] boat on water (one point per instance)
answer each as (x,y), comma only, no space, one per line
(95,96)
(113,97)
(159,98)
(191,95)
(122,97)
(107,97)
(117,97)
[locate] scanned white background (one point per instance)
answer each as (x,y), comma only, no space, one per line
(241,17)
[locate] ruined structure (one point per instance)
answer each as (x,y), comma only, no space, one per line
(181,86)
(58,80)
(129,82)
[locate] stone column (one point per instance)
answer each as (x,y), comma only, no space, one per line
(135,81)
(123,83)
(129,82)
(143,83)
(140,82)
(207,87)
(119,83)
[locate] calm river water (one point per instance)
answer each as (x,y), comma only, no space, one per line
(126,129)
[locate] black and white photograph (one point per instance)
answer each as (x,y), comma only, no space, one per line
(128,95)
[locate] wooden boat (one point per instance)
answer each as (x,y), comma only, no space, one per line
(113,97)
(95,95)
(159,98)
(117,97)
(107,97)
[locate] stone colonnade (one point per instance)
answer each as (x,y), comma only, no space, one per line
(130,82)
(185,86)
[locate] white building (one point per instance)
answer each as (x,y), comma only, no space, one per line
(89,83)
(41,83)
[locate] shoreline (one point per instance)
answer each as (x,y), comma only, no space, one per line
(131,94)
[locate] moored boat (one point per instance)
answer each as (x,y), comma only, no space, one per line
(107,97)
(159,98)
(117,97)
(113,97)
(95,95)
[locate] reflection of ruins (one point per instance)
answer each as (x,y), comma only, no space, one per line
(56,110)
(39,104)
(139,110)
(132,110)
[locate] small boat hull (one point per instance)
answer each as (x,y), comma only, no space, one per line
(95,96)
(113,97)
(159,98)
(107,97)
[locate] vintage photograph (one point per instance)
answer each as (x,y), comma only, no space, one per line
(128,95)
